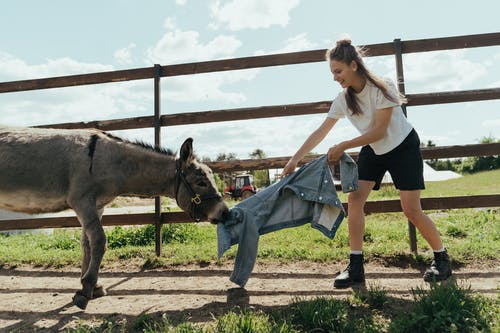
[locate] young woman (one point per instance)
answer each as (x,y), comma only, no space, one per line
(389,143)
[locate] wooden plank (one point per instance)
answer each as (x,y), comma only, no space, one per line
(107,220)
(474,201)
(271,111)
(421,45)
(107,125)
(246,113)
(201,117)
(77,80)
(456,202)
(453,96)
(483,149)
(449,43)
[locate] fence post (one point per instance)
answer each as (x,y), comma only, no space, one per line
(398,53)
(157,129)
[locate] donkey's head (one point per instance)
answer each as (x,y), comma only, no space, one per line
(195,190)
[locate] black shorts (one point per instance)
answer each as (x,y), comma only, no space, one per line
(404,163)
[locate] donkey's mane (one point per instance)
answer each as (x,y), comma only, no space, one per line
(142,145)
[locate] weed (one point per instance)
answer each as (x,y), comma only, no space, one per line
(375,296)
(248,322)
(445,308)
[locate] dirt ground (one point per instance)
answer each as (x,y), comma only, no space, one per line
(36,299)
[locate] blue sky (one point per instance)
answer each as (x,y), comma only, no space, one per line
(52,38)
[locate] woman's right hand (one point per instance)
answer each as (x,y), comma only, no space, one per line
(289,168)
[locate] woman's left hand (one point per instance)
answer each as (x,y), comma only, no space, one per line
(335,152)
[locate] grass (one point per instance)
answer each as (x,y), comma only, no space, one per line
(443,308)
(471,235)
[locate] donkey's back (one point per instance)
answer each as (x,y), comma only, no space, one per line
(37,167)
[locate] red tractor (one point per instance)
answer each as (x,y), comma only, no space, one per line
(241,187)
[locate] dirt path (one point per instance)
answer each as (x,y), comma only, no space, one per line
(37,299)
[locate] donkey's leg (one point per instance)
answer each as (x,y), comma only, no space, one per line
(99,290)
(85,253)
(96,239)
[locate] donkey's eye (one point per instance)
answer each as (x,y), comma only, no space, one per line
(201,183)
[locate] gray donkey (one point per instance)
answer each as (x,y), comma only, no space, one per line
(48,170)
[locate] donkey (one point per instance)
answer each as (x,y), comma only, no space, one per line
(49,170)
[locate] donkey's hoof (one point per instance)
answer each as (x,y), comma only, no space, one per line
(99,291)
(80,301)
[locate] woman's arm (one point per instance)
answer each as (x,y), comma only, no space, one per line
(377,132)
(312,141)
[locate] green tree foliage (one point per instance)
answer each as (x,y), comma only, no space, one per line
(481,163)
(224,179)
(467,165)
(260,177)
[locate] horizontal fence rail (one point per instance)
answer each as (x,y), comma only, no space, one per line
(484,149)
(268,111)
(386,206)
(410,46)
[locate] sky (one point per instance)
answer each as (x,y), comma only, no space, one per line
(41,39)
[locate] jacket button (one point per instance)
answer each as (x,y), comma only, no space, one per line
(326,181)
(301,194)
(320,198)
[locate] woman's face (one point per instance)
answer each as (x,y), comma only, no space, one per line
(345,74)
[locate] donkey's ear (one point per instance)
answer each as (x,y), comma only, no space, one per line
(186,154)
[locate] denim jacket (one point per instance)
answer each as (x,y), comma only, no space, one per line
(307,195)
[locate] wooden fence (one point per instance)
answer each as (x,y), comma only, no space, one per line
(396,48)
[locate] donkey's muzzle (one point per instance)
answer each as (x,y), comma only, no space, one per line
(220,213)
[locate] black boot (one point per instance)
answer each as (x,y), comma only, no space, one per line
(354,273)
(440,268)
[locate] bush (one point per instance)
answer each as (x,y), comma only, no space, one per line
(470,164)
(481,163)
(61,240)
(445,308)
(143,236)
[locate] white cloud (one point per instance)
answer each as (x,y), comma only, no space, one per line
(491,123)
(275,136)
(124,55)
(72,104)
(442,71)
(170,23)
(177,46)
(183,46)
(292,44)
(83,103)
(208,87)
(253,14)
(181,2)
(12,68)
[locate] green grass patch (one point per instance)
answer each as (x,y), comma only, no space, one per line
(448,308)
(469,234)
(440,309)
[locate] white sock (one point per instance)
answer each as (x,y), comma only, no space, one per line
(440,250)
(356,252)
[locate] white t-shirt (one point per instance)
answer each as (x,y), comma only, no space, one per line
(371,99)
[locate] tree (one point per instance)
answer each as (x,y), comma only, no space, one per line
(260,177)
(481,163)
(226,177)
(437,164)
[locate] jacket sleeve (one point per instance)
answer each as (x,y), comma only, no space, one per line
(348,174)
(247,251)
